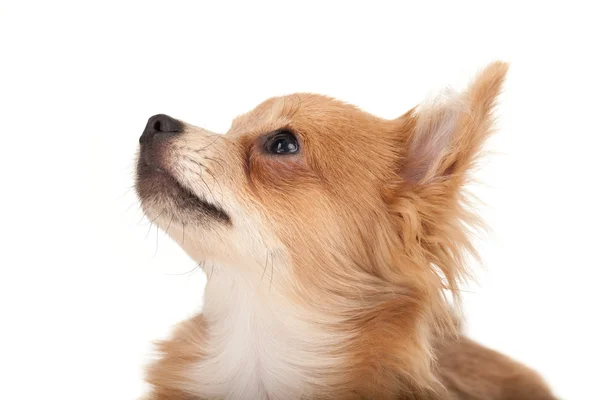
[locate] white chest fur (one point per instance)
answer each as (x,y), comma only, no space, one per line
(259,346)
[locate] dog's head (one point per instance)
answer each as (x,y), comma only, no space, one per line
(317,199)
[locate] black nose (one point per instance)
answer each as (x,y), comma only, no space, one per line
(160,124)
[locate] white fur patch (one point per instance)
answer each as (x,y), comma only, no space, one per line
(259,346)
(436,123)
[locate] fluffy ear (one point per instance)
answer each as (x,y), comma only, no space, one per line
(440,141)
(447,133)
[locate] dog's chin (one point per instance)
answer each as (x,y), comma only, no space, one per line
(162,194)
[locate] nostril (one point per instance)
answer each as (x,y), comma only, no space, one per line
(164,123)
(160,123)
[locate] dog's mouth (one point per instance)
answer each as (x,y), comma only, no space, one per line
(156,185)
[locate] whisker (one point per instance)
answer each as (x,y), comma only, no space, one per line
(169,225)
(264,270)
(132,204)
(272,270)
(156,249)
(202,168)
(127,191)
(152,222)
(212,269)
(142,218)
(210,144)
(147,233)
(209,189)
(218,162)
(155,218)
(197,266)
(216,182)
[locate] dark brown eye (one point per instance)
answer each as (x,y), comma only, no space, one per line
(282,143)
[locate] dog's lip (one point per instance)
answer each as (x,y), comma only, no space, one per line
(212,208)
(176,181)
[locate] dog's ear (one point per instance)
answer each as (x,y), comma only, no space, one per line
(439,142)
(444,136)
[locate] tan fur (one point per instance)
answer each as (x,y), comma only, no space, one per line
(329,281)
(471,371)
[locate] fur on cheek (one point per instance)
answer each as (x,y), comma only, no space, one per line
(270,174)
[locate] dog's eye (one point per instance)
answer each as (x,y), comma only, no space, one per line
(282,142)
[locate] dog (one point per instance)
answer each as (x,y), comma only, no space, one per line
(334,242)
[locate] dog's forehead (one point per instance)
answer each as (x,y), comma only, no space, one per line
(271,114)
(293,109)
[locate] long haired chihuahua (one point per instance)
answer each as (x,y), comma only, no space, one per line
(336,242)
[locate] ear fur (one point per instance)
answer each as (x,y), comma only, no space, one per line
(450,130)
(441,141)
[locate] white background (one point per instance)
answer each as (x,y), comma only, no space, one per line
(86,283)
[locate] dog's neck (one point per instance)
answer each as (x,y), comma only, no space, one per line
(259,345)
